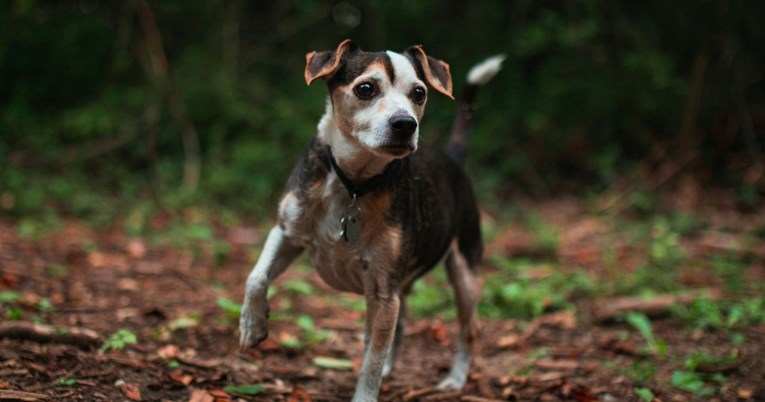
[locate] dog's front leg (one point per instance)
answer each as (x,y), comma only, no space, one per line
(382,315)
(277,254)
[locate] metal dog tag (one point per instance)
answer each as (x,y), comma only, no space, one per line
(351,224)
(351,232)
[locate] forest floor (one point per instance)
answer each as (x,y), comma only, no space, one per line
(579,305)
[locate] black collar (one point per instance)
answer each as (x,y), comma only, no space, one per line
(356,190)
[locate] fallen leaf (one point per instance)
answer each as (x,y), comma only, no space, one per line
(551,376)
(247,389)
(438,333)
(578,392)
(131,391)
(745,393)
(181,378)
(508,341)
(332,363)
(168,351)
(220,395)
(299,394)
(200,395)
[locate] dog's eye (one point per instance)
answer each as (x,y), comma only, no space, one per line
(365,90)
(418,95)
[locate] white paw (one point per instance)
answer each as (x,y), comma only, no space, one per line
(451,383)
(251,331)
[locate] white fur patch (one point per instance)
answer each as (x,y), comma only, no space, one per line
(484,71)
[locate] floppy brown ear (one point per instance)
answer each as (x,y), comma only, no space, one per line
(322,64)
(435,71)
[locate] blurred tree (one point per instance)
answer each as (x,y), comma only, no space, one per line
(151,95)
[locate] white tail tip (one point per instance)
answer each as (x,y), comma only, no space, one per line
(484,71)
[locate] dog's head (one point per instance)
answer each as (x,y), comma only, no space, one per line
(379,98)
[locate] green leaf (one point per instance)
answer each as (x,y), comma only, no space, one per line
(118,340)
(640,322)
(644,394)
(230,307)
(691,382)
(9,296)
(298,287)
(248,389)
(66,382)
(332,363)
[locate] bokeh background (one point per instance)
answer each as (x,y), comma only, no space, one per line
(111,106)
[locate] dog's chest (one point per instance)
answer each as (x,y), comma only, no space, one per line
(314,221)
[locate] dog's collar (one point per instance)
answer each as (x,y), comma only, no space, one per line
(356,190)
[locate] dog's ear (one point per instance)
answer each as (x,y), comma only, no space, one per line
(322,64)
(435,71)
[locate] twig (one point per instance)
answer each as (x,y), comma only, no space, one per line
(82,337)
(12,395)
(654,307)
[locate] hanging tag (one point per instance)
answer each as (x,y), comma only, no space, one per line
(350,223)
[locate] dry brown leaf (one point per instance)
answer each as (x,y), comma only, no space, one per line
(168,351)
(131,391)
(220,395)
(745,393)
(299,395)
(181,378)
(551,376)
(200,395)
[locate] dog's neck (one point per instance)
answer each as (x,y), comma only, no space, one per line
(357,162)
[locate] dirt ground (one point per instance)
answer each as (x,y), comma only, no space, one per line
(100,281)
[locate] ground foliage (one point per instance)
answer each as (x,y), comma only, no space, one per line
(578,305)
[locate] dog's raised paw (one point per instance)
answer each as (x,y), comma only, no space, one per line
(251,335)
(451,383)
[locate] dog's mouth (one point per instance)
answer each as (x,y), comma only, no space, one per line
(398,149)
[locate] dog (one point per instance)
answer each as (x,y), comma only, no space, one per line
(373,207)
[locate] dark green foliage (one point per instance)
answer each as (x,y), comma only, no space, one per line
(589,89)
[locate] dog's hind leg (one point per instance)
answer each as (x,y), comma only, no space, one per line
(467,290)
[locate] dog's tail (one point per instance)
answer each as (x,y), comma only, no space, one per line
(479,75)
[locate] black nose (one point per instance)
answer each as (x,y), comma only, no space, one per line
(403,125)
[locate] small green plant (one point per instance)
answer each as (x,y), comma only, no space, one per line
(643,325)
(66,382)
(57,270)
(230,308)
(645,394)
(641,371)
(9,296)
(704,359)
(118,340)
(546,236)
(45,305)
(14,313)
(694,382)
(310,332)
(707,314)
